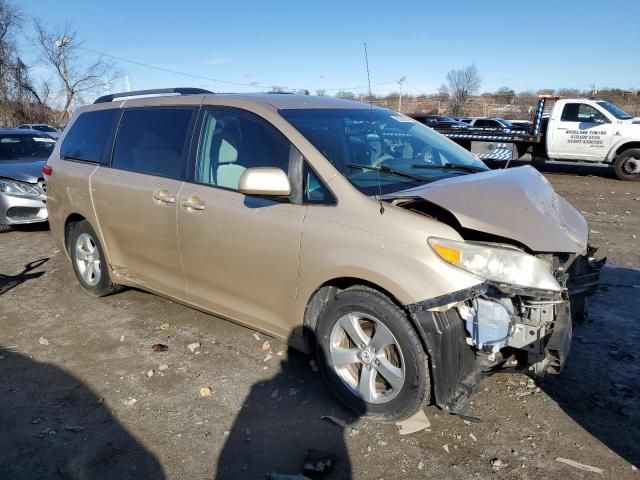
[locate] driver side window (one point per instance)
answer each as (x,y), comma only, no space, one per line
(580,112)
(232,141)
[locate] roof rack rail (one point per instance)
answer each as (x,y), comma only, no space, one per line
(155,91)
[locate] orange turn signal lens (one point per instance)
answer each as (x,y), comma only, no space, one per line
(449,254)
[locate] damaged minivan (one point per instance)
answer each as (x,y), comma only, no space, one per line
(351,231)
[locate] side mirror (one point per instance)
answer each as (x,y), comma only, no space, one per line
(264,181)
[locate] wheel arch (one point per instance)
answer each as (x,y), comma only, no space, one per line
(323,294)
(618,149)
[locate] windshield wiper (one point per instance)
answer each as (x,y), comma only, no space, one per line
(387,170)
(451,166)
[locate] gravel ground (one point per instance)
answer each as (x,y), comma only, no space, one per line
(83,394)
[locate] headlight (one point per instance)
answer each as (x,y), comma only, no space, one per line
(498,264)
(18,189)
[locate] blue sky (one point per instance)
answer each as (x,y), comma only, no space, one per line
(313,44)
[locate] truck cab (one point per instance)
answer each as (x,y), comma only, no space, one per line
(594,131)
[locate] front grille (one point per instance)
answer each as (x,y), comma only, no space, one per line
(22,213)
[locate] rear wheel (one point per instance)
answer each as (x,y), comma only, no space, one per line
(371,356)
(88,260)
(627,165)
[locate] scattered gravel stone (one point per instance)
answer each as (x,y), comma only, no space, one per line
(43,341)
(275,393)
(163,367)
(150,373)
(193,346)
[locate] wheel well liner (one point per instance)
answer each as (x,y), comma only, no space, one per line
(69,222)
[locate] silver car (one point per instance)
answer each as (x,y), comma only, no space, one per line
(22,187)
(50,130)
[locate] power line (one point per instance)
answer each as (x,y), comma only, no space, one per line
(210,79)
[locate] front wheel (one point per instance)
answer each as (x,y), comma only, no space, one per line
(371,355)
(627,165)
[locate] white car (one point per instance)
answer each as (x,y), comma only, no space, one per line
(42,127)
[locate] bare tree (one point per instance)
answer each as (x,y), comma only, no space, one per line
(321,92)
(59,50)
(461,84)
(21,100)
(347,95)
(505,95)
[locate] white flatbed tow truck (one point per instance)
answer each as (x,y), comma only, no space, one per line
(579,129)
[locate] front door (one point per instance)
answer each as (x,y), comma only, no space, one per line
(582,133)
(240,253)
(136,197)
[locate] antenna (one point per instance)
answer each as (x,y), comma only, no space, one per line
(366,61)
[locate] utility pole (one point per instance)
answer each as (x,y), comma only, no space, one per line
(401,81)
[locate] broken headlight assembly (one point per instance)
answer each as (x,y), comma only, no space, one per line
(501,265)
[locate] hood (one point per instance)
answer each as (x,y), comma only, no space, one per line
(22,170)
(516,203)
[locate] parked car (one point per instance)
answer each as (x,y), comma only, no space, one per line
(353,231)
(53,132)
(521,125)
(439,122)
(22,188)
(488,123)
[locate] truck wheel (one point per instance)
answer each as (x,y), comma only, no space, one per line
(628,165)
(88,260)
(371,356)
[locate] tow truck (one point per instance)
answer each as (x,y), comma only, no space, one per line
(578,129)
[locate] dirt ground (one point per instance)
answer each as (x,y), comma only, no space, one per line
(83,395)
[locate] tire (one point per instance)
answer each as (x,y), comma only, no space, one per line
(627,165)
(88,260)
(5,228)
(400,371)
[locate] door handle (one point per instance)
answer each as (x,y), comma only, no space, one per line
(193,203)
(163,196)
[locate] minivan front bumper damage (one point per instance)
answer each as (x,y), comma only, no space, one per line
(490,327)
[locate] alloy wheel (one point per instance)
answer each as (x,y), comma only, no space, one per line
(87,259)
(367,357)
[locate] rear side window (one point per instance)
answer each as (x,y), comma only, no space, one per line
(87,138)
(153,141)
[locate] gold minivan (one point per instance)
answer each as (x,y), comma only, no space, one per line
(352,231)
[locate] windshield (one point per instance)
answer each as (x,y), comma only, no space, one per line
(380,151)
(615,110)
(15,147)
